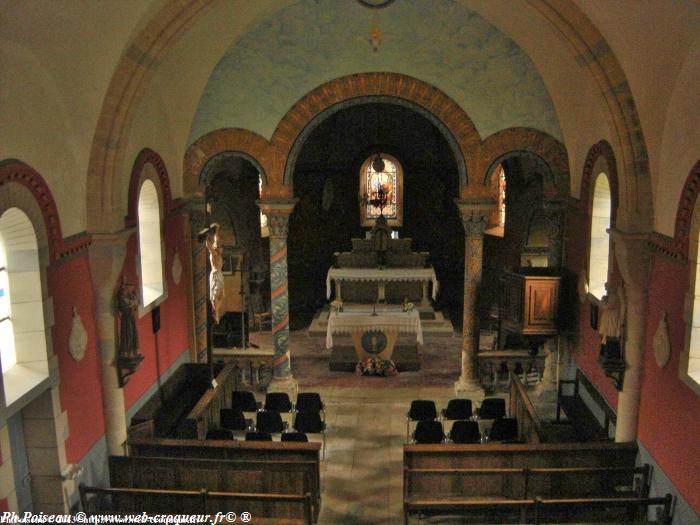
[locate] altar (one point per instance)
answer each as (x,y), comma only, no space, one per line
(373,335)
(382,276)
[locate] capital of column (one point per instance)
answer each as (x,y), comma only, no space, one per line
(475,215)
(277,212)
(633,258)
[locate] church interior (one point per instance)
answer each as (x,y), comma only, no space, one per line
(351,261)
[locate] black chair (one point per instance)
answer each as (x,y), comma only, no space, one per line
(270,421)
(232,419)
(465,432)
(492,408)
(258,436)
(311,423)
(278,401)
(428,432)
(421,410)
(309,402)
(297,437)
(457,409)
(504,429)
(244,401)
(220,433)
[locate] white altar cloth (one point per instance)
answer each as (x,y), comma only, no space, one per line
(385,275)
(388,318)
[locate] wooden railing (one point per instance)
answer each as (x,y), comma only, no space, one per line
(575,408)
(124,501)
(205,414)
(521,408)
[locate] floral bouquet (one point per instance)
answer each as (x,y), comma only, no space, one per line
(408,306)
(376,366)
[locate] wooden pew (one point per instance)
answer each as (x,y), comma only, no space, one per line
(205,414)
(617,510)
(217,475)
(306,455)
(584,422)
(121,501)
(469,474)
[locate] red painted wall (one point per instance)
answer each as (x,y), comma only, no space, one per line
(587,346)
(80,389)
(172,338)
(669,414)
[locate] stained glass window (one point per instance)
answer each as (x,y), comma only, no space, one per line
(381,191)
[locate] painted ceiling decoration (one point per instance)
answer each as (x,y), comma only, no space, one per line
(311,42)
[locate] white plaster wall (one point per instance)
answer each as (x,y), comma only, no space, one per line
(580,107)
(657,44)
(57,58)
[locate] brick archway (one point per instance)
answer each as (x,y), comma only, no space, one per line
(148,156)
(684,215)
(325,100)
(526,141)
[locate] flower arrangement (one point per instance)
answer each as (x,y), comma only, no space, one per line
(376,366)
(408,306)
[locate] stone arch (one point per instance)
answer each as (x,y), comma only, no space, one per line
(227,141)
(148,156)
(600,150)
(168,24)
(49,233)
(533,143)
(460,119)
(684,215)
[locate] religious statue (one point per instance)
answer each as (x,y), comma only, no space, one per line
(381,233)
(610,325)
(127,300)
(216,277)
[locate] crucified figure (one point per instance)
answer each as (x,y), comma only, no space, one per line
(216,277)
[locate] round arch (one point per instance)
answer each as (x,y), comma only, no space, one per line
(684,215)
(530,143)
(234,142)
(323,114)
(145,157)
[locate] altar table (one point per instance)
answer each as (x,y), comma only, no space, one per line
(381,277)
(389,321)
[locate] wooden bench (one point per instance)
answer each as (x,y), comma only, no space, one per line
(122,501)
(217,475)
(584,422)
(471,475)
(261,453)
(616,510)
(168,408)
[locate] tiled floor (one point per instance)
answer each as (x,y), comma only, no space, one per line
(362,474)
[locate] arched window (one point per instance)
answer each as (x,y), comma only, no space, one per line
(598,262)
(22,333)
(377,179)
(497,219)
(690,360)
(150,244)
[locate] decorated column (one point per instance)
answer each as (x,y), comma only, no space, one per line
(107,253)
(200,289)
(474,214)
(632,257)
(277,213)
(555,217)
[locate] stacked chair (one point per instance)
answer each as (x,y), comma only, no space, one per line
(428,431)
(465,431)
(310,417)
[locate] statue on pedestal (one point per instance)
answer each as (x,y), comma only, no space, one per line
(381,233)
(610,324)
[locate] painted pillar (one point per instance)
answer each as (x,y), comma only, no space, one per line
(632,257)
(107,253)
(278,212)
(555,212)
(474,214)
(200,288)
